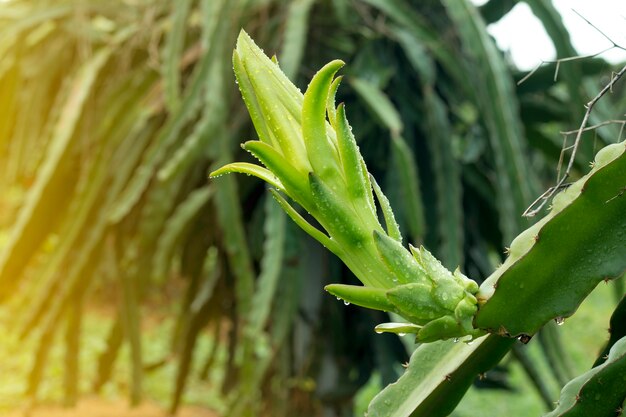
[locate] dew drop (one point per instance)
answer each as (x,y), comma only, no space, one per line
(559,321)
(378,331)
(338,298)
(346,302)
(401,334)
(455,340)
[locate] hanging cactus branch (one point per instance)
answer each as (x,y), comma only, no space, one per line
(579,244)
(310,155)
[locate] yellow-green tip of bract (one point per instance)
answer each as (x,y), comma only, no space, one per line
(308,154)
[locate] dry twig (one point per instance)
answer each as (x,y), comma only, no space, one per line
(541,201)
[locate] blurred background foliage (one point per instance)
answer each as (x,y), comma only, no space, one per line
(123,269)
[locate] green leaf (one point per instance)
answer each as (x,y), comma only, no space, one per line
(393,230)
(249,169)
(617,330)
(429,388)
(170,132)
(599,392)
(172,52)
(331,108)
(252,103)
(351,159)
(493,90)
(494,10)
(210,127)
(290,95)
(33,224)
(357,178)
(271,264)
(297,25)
(234,241)
(177,225)
(437,376)
(406,17)
(416,303)
(319,147)
(417,54)
(368,297)
(579,244)
(439,136)
(409,186)
(404,267)
(335,214)
(400,329)
(284,129)
(282,168)
(306,226)
(379,104)
(132,324)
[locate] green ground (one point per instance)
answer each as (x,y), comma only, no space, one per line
(583,334)
(16,360)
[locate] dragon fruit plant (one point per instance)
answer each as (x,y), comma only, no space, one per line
(311,157)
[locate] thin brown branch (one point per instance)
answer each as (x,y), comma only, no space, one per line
(615,45)
(606,122)
(576,57)
(533,209)
(558,63)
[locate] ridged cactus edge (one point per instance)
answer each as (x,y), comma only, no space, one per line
(555,264)
(599,392)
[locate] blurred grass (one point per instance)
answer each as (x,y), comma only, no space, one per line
(16,360)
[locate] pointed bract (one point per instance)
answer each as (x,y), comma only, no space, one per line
(320,149)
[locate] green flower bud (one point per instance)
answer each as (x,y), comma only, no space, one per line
(311,158)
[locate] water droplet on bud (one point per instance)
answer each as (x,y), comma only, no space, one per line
(378,331)
(559,321)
